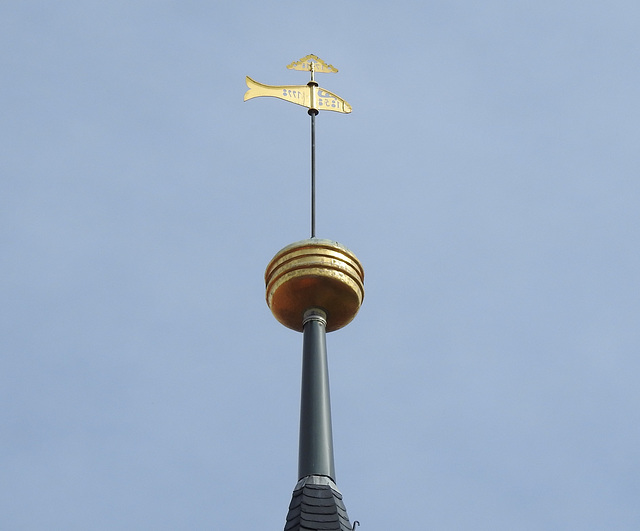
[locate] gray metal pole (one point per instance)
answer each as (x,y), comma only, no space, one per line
(316,437)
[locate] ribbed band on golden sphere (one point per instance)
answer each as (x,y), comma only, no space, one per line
(314,274)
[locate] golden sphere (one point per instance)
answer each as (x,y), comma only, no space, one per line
(314,274)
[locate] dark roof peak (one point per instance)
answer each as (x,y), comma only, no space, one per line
(316,505)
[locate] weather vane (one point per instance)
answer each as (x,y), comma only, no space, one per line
(312,97)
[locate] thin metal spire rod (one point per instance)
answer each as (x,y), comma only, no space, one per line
(313,113)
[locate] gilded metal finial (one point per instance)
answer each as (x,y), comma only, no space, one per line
(314,273)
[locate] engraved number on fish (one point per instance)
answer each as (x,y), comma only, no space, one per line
(292,93)
(327,103)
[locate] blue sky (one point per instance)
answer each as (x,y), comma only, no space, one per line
(487,179)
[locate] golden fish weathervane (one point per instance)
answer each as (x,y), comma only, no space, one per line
(310,95)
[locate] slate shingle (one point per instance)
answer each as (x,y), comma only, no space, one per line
(316,505)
